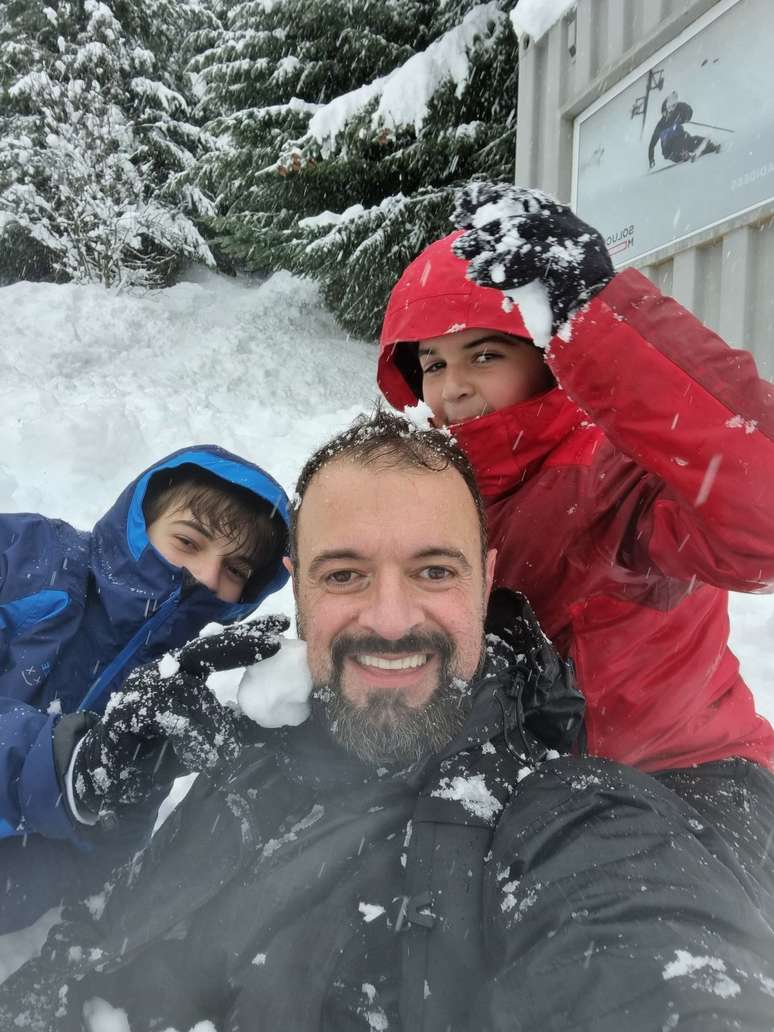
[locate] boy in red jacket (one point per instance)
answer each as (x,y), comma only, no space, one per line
(628,472)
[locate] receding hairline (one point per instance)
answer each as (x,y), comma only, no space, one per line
(382,441)
(386,458)
(380,463)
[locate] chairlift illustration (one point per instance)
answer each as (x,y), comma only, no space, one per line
(654,81)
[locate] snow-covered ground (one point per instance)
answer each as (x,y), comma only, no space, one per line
(94,386)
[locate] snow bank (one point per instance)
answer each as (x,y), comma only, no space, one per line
(95,385)
(17,947)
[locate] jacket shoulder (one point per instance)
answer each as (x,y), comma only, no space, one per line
(38,553)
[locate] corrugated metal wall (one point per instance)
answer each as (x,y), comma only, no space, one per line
(726,275)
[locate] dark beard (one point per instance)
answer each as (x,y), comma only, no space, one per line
(385,731)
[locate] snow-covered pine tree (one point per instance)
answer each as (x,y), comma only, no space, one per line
(274,66)
(94,137)
(369,182)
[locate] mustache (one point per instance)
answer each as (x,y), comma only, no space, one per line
(350,645)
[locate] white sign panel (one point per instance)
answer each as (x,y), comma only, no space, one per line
(686,140)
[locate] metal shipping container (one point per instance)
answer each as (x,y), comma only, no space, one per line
(724,273)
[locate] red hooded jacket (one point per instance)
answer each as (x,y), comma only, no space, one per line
(625,504)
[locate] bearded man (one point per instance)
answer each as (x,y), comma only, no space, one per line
(417,855)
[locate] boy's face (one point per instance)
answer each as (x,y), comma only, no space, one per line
(471,373)
(211,558)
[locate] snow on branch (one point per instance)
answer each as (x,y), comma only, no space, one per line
(404,95)
(150,89)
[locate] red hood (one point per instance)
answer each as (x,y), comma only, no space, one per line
(507,447)
(434,297)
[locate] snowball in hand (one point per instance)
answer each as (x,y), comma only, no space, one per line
(535,308)
(276,691)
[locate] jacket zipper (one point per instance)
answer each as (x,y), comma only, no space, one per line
(121,661)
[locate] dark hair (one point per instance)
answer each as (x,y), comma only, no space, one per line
(224,508)
(406,359)
(392,442)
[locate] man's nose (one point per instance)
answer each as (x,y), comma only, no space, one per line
(390,610)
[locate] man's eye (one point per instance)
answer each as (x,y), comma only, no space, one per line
(436,573)
(341,578)
(485,356)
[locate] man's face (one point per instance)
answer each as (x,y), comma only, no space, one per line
(391,592)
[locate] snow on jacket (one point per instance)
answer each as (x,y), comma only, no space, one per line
(469,893)
(624,504)
(78,611)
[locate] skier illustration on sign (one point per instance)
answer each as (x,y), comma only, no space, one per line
(676,144)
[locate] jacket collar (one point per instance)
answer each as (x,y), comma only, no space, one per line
(521,675)
(508,446)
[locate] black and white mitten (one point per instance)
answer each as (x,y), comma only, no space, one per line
(240,645)
(159,726)
(514,236)
(153,729)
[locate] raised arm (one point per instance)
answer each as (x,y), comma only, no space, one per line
(674,397)
(691,412)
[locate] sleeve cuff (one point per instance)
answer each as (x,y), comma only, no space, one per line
(82,816)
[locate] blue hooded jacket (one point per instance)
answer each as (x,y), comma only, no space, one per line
(78,612)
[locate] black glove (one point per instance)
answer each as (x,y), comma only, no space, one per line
(240,645)
(515,236)
(156,728)
(551,703)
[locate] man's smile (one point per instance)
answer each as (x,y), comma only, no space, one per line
(412,675)
(399,663)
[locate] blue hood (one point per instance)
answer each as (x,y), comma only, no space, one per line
(134,581)
(123,557)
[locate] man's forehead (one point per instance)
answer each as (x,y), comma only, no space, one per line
(347,479)
(346,499)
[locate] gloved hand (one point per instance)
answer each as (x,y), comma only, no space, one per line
(155,727)
(515,236)
(240,645)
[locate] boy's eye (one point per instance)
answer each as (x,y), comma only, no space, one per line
(239,571)
(485,356)
(432,367)
(183,541)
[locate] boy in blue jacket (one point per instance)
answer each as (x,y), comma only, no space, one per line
(199,537)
